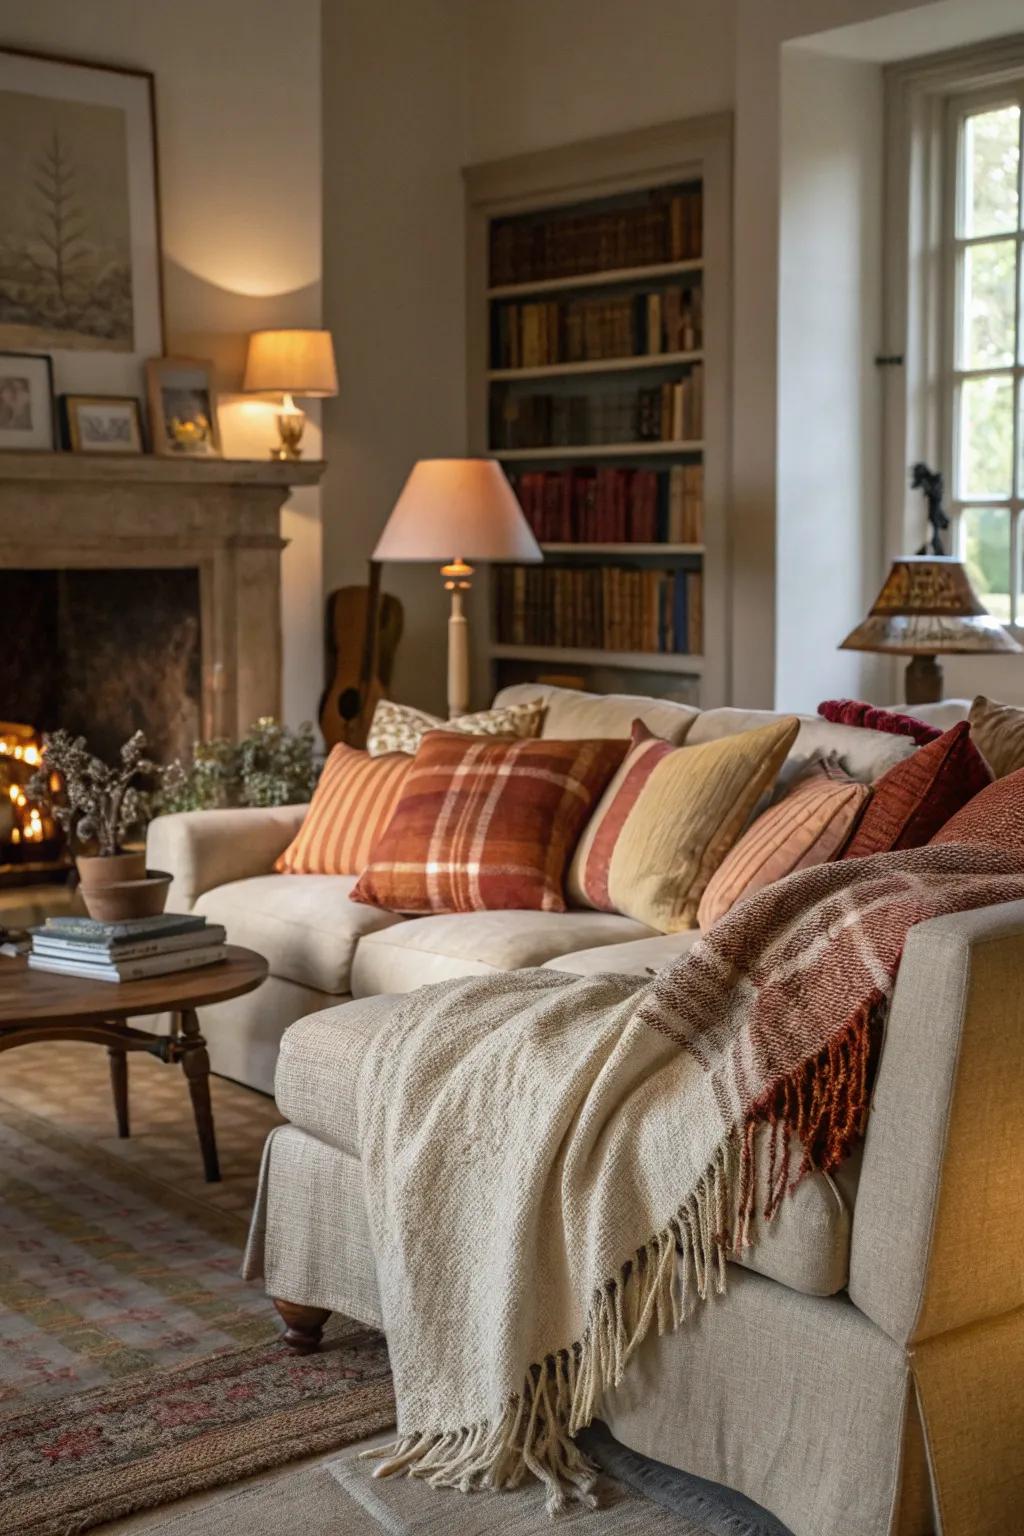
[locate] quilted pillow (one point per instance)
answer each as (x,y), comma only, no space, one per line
(853,712)
(994,816)
(809,825)
(668,819)
(917,797)
(400,728)
(484,825)
(351,806)
(998,732)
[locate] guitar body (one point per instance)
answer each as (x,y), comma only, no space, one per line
(364,627)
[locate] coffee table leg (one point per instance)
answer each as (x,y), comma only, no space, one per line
(195,1064)
(119,1086)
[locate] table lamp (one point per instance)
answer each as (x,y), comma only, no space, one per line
(289,363)
(927,608)
(453,511)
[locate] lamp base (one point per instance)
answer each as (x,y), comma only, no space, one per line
(457,581)
(923,680)
(291,423)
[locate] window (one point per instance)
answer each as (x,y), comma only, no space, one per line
(984,408)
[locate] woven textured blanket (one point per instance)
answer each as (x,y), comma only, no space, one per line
(554,1165)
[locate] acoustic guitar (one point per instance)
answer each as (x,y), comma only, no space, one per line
(363,627)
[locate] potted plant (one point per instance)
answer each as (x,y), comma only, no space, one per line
(98,806)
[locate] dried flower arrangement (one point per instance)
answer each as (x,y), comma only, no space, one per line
(96,804)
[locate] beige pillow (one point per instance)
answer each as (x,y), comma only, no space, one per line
(400,728)
(691,808)
(997,731)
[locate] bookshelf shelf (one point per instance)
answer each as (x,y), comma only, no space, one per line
(628,548)
(596,365)
(585,451)
(648,661)
(609,279)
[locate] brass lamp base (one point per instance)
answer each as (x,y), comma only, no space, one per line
(291,423)
(923,680)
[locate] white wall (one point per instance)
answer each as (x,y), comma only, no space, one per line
(238,125)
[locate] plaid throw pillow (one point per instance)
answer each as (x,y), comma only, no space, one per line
(484,825)
(351,806)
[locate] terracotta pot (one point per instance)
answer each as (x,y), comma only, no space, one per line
(119,887)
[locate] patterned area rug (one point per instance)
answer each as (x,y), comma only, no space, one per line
(135,1364)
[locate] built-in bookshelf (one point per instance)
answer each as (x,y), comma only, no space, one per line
(598,375)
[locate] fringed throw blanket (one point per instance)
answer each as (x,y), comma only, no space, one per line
(553,1165)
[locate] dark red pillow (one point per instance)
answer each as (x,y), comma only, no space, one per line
(916,797)
(994,816)
(855,712)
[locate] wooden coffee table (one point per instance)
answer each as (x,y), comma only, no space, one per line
(36,1005)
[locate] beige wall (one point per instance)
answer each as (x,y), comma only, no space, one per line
(238,121)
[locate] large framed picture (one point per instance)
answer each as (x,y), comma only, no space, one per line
(79,219)
(101,423)
(182,407)
(26,401)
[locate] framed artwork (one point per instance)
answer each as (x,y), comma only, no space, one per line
(26,401)
(101,423)
(182,407)
(79,218)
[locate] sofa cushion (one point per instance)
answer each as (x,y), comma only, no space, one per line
(572,714)
(304,925)
(865,755)
(807,1247)
(440,948)
(639,957)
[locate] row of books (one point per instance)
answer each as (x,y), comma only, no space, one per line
(538,247)
(607,608)
(125,951)
(669,412)
(538,335)
(614,506)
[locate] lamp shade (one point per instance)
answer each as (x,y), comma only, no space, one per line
(928,607)
(457,509)
(291,363)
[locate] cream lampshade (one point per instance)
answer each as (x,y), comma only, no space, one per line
(454,511)
(290,363)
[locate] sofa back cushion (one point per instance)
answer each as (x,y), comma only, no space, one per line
(915,799)
(351,805)
(998,732)
(483,824)
(893,722)
(863,754)
(573,715)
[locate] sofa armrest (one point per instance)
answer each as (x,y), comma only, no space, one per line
(204,849)
(938,1227)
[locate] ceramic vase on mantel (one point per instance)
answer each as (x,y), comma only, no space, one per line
(118,886)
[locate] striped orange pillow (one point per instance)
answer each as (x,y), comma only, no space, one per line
(485,824)
(810,824)
(351,806)
(587,881)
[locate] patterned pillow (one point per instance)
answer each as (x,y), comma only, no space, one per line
(809,825)
(485,825)
(853,712)
(350,808)
(994,816)
(917,797)
(668,819)
(400,728)
(998,733)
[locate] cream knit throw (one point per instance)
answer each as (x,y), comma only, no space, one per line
(555,1164)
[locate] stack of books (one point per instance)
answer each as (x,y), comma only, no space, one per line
(531,247)
(613,505)
(608,608)
(670,412)
(125,951)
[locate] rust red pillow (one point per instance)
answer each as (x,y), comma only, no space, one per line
(996,815)
(915,798)
(855,712)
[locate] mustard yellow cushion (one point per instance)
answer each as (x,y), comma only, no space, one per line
(691,809)
(997,731)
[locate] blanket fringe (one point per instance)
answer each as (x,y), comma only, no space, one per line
(824,1103)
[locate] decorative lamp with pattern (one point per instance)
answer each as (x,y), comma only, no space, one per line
(928,608)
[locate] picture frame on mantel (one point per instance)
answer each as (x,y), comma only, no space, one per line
(80,247)
(182,408)
(27,419)
(101,424)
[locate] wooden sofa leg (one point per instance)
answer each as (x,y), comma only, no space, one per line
(303,1326)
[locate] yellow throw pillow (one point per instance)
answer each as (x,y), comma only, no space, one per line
(693,806)
(997,731)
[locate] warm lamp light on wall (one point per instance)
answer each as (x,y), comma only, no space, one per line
(450,512)
(290,363)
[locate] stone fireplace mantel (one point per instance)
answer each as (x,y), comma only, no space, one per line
(221,517)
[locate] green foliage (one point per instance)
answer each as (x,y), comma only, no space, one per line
(96,804)
(272,765)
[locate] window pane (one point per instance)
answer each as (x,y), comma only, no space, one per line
(986,544)
(987,304)
(991,141)
(986,438)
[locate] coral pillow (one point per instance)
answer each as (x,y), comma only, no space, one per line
(853,712)
(483,825)
(996,815)
(669,818)
(351,806)
(917,797)
(998,733)
(809,825)
(401,728)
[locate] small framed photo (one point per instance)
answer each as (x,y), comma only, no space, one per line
(101,423)
(26,401)
(182,407)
